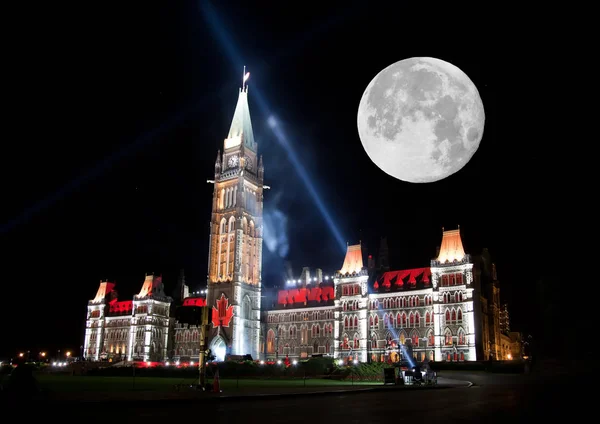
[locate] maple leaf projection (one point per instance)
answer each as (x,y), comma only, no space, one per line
(222,313)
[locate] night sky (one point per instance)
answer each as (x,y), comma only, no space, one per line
(118,116)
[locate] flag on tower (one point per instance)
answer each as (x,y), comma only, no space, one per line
(246,76)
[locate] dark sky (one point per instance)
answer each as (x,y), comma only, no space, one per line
(117,114)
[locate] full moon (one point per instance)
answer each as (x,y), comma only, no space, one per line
(421,120)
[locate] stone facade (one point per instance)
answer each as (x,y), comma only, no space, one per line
(135,329)
(434,313)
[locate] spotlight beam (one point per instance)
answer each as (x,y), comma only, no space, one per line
(218,29)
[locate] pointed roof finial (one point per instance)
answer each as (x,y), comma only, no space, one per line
(245,77)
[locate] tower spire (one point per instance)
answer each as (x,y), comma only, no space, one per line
(245,77)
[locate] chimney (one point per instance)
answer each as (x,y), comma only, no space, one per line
(305,277)
(319,275)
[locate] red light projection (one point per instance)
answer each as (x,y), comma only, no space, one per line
(120,307)
(223,313)
(406,277)
(303,295)
(194,301)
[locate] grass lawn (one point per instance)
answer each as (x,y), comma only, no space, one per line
(67,383)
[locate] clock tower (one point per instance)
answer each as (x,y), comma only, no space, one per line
(236,228)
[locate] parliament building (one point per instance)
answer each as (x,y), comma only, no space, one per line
(448,311)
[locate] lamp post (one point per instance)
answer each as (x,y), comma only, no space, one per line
(203,348)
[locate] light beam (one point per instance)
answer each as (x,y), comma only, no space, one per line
(217,27)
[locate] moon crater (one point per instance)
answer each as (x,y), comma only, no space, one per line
(421,119)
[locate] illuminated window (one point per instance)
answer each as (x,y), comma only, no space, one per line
(459,316)
(398,320)
(418,319)
(461,338)
(452,280)
(376,323)
(371,321)
(426,318)
(462,356)
(411,318)
(459,279)
(431,339)
(444,280)
(448,337)
(447,315)
(355,321)
(453,315)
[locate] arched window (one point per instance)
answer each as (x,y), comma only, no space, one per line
(462,354)
(448,337)
(403,319)
(386,322)
(371,321)
(411,319)
(461,337)
(355,321)
(415,339)
(431,339)
(417,319)
(328,347)
(459,316)
(459,297)
(376,323)
(447,315)
(373,341)
(247,308)
(356,341)
(426,318)
(398,320)
(271,341)
(346,322)
(453,315)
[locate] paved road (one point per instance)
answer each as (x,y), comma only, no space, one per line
(493,399)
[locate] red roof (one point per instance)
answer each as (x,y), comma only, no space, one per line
(118,307)
(406,278)
(301,296)
(194,301)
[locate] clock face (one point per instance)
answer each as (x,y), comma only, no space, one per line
(233,161)
(248,162)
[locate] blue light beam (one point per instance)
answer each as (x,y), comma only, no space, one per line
(217,27)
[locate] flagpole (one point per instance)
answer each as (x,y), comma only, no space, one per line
(244,78)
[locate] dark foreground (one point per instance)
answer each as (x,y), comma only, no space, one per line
(493,398)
